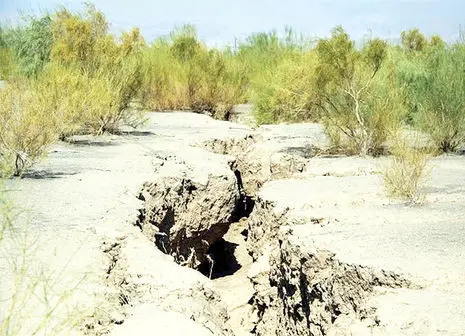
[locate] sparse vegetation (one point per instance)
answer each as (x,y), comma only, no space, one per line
(65,73)
(110,69)
(92,78)
(73,77)
(405,175)
(32,300)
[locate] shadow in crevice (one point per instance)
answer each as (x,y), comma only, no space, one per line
(449,189)
(304,151)
(91,142)
(136,133)
(245,204)
(44,174)
(162,237)
(224,260)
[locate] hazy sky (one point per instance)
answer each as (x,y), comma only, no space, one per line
(220,21)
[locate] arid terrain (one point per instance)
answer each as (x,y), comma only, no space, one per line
(232,168)
(202,227)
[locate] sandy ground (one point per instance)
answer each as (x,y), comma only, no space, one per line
(83,193)
(358,223)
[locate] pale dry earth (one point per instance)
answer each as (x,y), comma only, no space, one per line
(84,194)
(314,246)
(337,212)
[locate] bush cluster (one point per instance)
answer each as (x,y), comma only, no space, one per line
(180,72)
(363,93)
(66,74)
(89,81)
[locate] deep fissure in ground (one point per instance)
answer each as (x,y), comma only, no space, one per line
(222,260)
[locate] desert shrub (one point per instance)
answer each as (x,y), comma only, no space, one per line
(436,42)
(359,101)
(286,94)
(164,79)
(27,127)
(214,86)
(261,54)
(181,72)
(435,86)
(168,73)
(413,40)
(7,63)
(405,175)
(87,86)
(185,45)
(279,69)
(81,103)
(31,43)
(112,68)
(69,92)
(79,39)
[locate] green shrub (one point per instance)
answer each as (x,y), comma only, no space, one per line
(181,72)
(111,68)
(30,43)
(405,175)
(86,86)
(287,93)
(356,93)
(27,126)
(435,84)
(413,40)
(78,40)
(214,87)
(261,54)
(164,79)
(83,103)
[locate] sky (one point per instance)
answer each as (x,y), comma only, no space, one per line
(220,22)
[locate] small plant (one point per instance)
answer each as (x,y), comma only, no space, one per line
(405,174)
(33,300)
(413,40)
